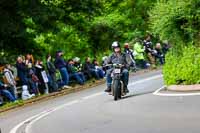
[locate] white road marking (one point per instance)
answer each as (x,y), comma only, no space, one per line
(39,116)
(146,79)
(93,95)
(28,128)
(14,130)
(158,93)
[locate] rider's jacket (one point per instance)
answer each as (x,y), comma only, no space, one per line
(122,58)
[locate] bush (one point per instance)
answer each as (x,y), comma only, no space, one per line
(176,20)
(184,68)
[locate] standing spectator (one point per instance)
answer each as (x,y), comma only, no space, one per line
(159,53)
(139,57)
(22,71)
(5,92)
(149,50)
(165,47)
(52,73)
(29,59)
(61,65)
(89,69)
(73,73)
(10,78)
(131,55)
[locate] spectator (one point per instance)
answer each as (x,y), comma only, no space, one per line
(74,74)
(62,67)
(104,62)
(33,79)
(78,64)
(22,71)
(1,100)
(159,54)
(52,74)
(41,74)
(139,57)
(149,50)
(29,59)
(165,48)
(131,55)
(10,80)
(4,91)
(89,69)
(98,68)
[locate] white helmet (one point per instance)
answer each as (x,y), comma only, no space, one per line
(115,44)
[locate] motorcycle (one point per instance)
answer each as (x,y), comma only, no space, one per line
(117,87)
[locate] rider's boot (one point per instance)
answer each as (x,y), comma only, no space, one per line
(108,89)
(126,89)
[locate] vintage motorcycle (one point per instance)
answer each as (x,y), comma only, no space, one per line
(117,86)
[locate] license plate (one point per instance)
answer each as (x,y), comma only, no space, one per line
(117,70)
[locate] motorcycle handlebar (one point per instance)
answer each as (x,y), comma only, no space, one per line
(120,65)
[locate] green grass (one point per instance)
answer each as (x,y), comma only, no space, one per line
(12,104)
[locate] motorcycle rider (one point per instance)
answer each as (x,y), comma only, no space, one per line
(118,57)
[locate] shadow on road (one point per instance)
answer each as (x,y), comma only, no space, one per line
(136,94)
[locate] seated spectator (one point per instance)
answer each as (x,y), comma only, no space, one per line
(33,79)
(1,100)
(74,74)
(9,77)
(53,86)
(78,64)
(98,68)
(5,91)
(104,62)
(89,69)
(41,74)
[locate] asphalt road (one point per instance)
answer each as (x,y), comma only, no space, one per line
(93,111)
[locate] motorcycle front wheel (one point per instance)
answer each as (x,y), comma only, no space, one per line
(116,89)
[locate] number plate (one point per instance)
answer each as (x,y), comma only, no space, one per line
(117,70)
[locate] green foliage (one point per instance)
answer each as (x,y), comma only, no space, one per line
(81,28)
(176,20)
(179,22)
(184,68)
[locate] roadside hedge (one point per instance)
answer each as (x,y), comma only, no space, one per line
(183,68)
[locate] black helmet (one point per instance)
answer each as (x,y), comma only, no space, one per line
(115,45)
